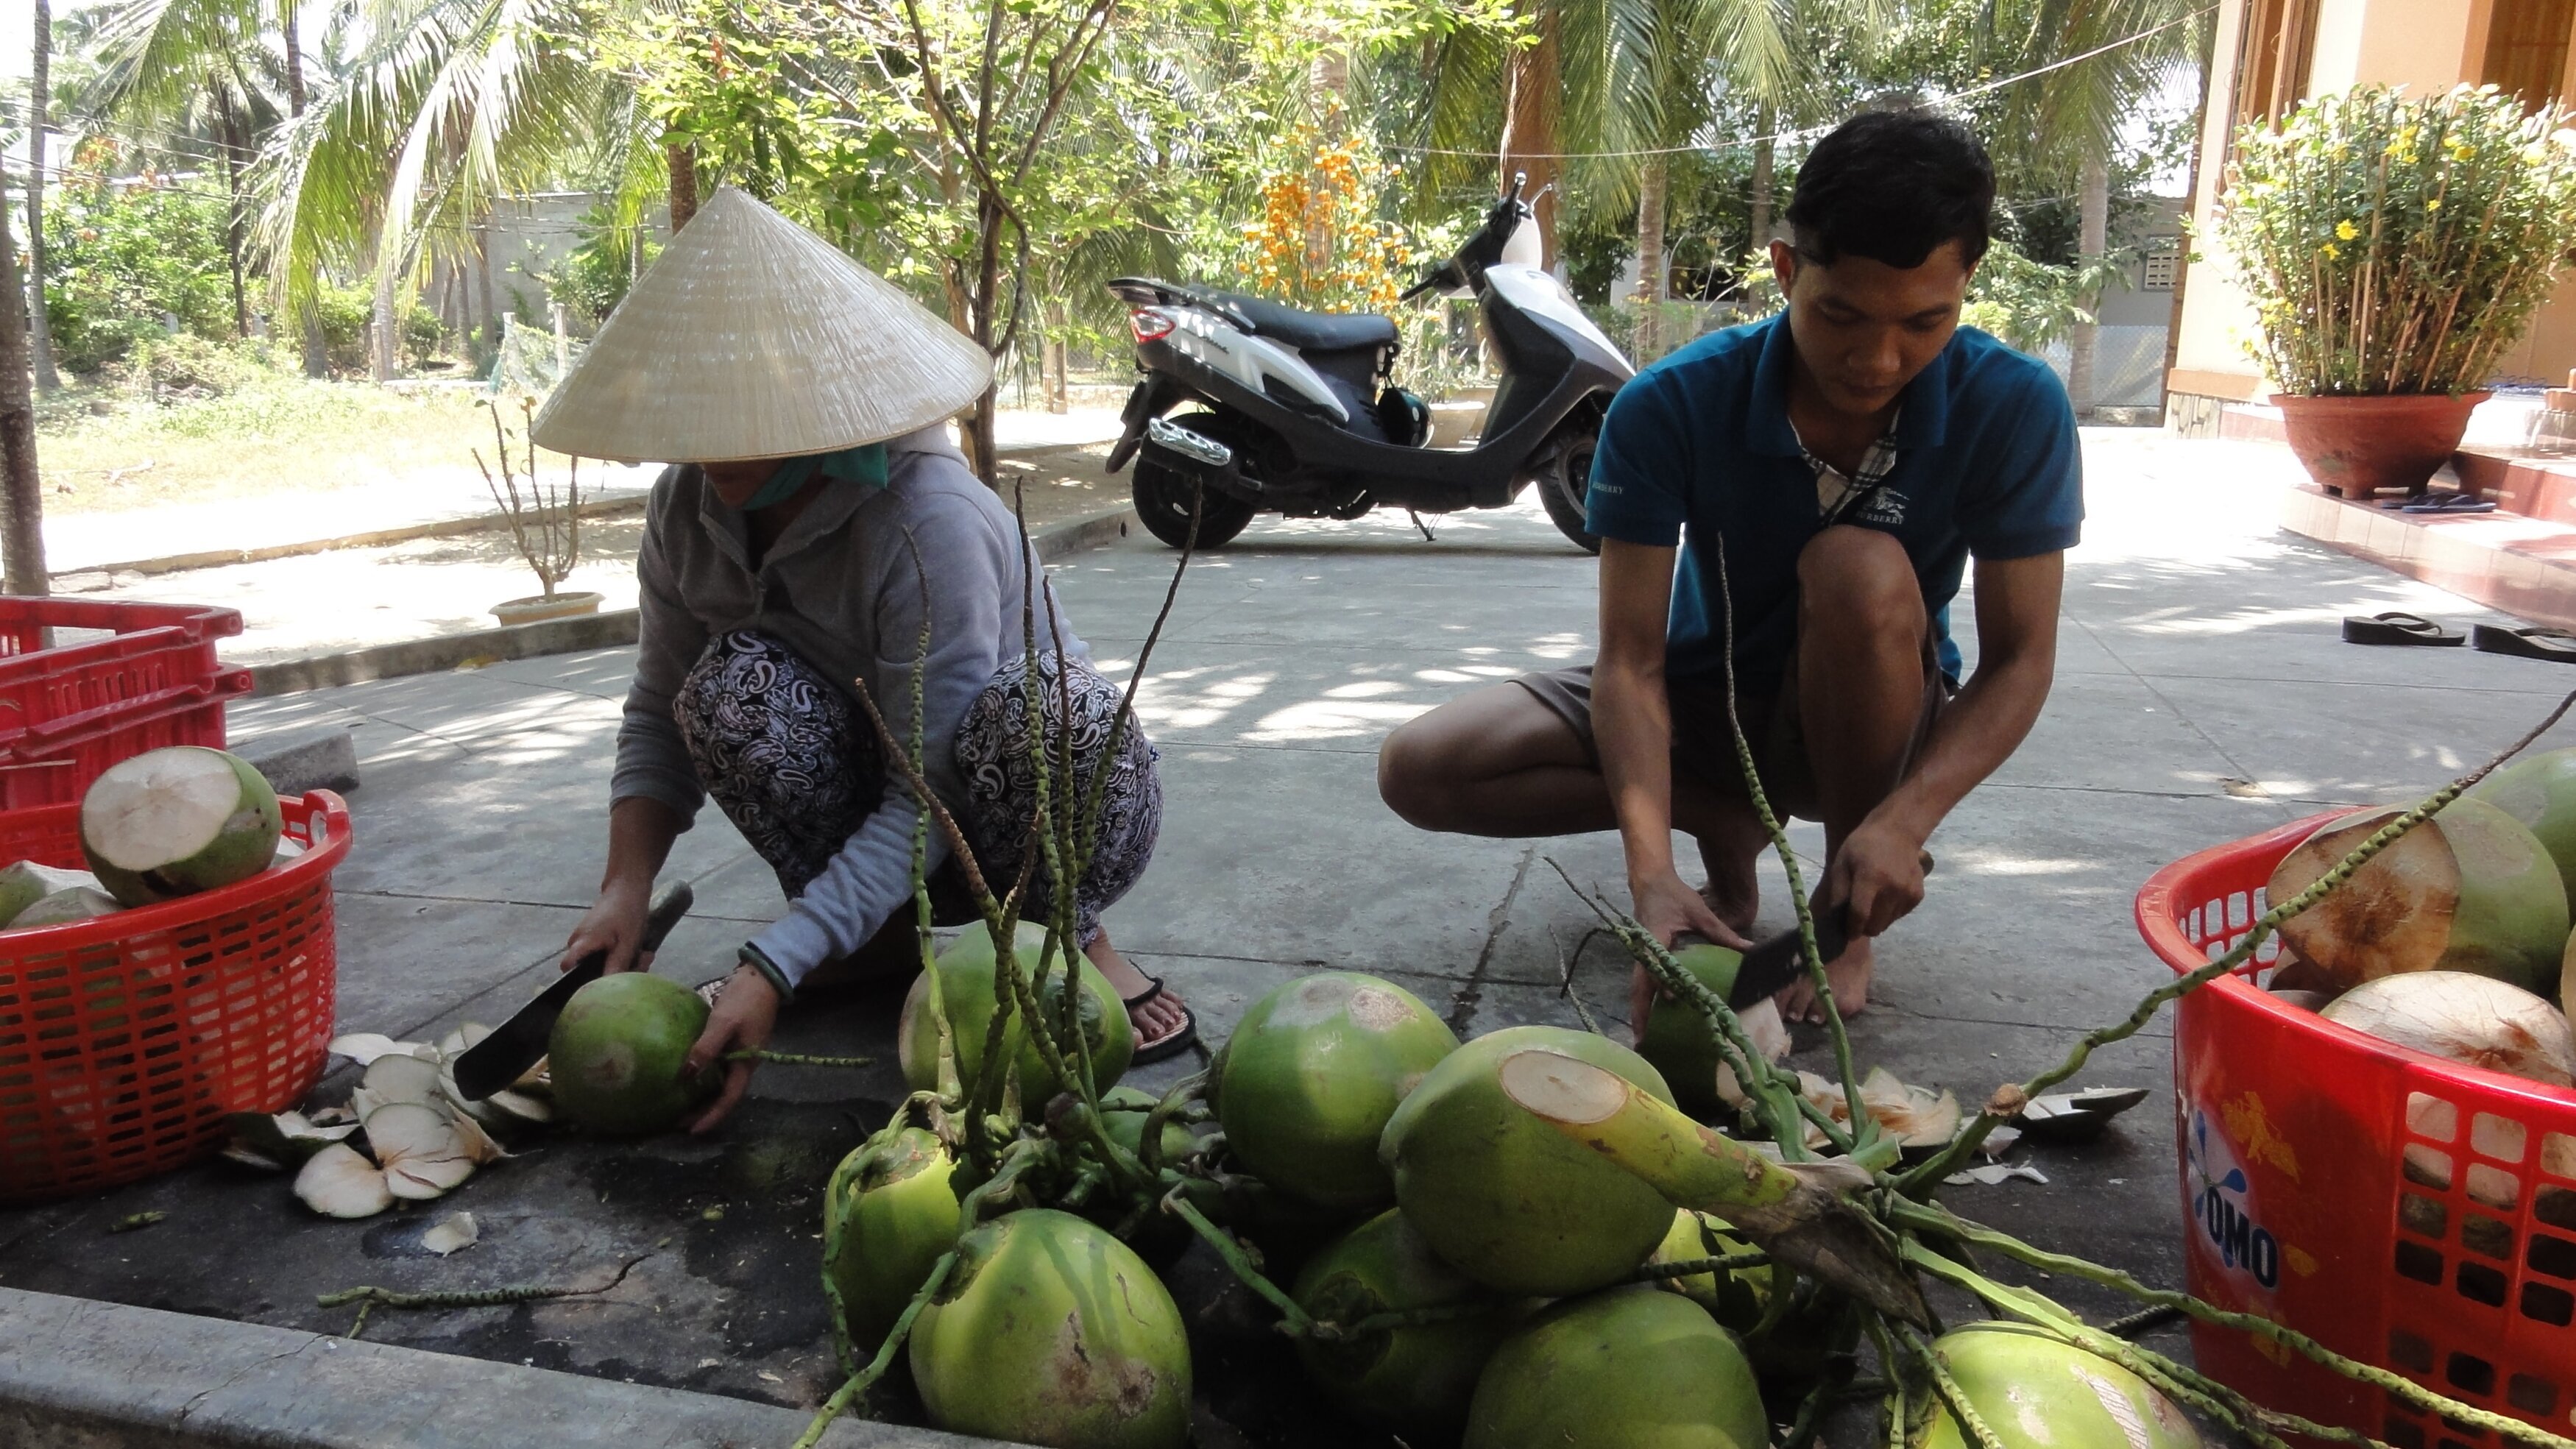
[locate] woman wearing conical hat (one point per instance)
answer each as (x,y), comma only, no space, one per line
(814,508)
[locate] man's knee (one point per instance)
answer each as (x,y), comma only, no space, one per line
(1860,576)
(1410,775)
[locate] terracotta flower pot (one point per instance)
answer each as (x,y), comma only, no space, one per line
(538,607)
(2355,446)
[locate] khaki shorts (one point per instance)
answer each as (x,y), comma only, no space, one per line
(1704,744)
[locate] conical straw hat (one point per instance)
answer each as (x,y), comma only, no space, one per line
(751,337)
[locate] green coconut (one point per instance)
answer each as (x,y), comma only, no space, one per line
(2035,1392)
(173,822)
(2471,889)
(1627,1368)
(1414,1381)
(617,1056)
(63,907)
(27,882)
(2540,791)
(1123,1111)
(1507,1199)
(1680,1041)
(966,977)
(1735,1298)
(1313,1072)
(1050,1331)
(885,1230)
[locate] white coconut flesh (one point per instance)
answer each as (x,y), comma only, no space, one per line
(395,1077)
(339,1182)
(423,1151)
(2473,1020)
(64,907)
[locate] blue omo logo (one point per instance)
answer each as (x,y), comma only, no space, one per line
(2222,1204)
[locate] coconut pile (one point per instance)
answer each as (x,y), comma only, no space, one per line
(164,824)
(2453,941)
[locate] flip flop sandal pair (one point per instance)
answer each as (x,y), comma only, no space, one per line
(2398,629)
(1171,1043)
(2440,503)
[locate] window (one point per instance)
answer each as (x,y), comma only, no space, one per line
(2527,48)
(2273,54)
(2164,258)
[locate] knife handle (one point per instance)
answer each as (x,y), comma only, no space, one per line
(665,913)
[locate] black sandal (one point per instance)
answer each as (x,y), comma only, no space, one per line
(2398,629)
(1171,1043)
(2531,643)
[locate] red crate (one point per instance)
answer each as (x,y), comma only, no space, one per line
(2403,1210)
(70,711)
(125,1040)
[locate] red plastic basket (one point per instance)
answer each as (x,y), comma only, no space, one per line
(2403,1210)
(70,711)
(125,1040)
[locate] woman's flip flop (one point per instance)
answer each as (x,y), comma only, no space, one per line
(2397,629)
(1171,1043)
(2531,643)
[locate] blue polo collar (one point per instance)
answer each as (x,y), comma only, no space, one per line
(1923,416)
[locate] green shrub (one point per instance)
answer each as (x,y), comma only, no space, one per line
(119,260)
(167,368)
(2398,245)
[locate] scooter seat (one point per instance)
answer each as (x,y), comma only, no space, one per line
(1316,331)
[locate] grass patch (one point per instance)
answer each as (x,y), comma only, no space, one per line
(104,450)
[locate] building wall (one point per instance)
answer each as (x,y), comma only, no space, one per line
(2424,45)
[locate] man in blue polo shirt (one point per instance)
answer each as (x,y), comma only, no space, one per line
(1815,482)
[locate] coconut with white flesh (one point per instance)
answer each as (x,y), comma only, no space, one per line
(363,1047)
(339,1182)
(27,882)
(64,907)
(281,1141)
(2471,889)
(423,1152)
(173,822)
(1917,1117)
(2463,1018)
(396,1077)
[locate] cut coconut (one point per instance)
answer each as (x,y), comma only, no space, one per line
(453,1233)
(363,1047)
(425,1152)
(286,1139)
(395,1077)
(63,907)
(172,822)
(2471,889)
(338,1182)
(2463,1018)
(462,1040)
(1916,1117)
(24,884)
(1770,1036)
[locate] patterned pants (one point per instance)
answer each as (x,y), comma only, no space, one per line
(794,764)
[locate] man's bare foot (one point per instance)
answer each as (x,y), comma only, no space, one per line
(1849,975)
(1155,1019)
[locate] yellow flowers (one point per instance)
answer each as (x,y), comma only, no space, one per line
(2346,231)
(2331,251)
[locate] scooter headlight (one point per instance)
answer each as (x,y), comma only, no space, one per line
(1150,324)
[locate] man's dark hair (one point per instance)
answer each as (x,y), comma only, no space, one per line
(1893,186)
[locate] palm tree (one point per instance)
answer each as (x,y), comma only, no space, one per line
(40,336)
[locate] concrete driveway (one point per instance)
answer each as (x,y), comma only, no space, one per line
(2203,695)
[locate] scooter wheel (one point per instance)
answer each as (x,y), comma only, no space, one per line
(1563,480)
(1164,493)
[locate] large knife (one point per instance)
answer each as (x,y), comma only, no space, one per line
(499,1059)
(1777,962)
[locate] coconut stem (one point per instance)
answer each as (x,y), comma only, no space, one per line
(2020,1302)
(2008,1101)
(1150,1146)
(1294,1321)
(798,1059)
(858,1383)
(1693,1267)
(1894,1404)
(371,1295)
(1950,1394)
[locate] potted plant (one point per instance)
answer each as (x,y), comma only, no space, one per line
(545,524)
(2394,248)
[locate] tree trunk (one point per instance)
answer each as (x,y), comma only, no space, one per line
(1530,117)
(483,272)
(229,127)
(317,348)
(1652,269)
(1760,231)
(683,163)
(384,339)
(40,332)
(1051,359)
(2093,225)
(22,494)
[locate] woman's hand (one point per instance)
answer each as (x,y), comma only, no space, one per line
(745,1013)
(614,924)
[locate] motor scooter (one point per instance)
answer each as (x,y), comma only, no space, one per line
(1297,413)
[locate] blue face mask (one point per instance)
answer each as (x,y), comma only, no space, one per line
(864,465)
